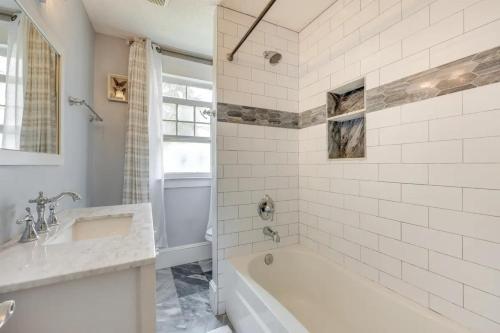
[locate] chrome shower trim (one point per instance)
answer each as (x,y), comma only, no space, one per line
(230,56)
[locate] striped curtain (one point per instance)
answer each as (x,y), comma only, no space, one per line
(39,130)
(136,178)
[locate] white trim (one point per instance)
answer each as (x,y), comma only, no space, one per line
(181,138)
(187,175)
(214,190)
(187,182)
(188,102)
(212,290)
(14,157)
(185,254)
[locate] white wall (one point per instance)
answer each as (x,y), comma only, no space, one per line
(420,214)
(187,215)
(68,22)
(108,138)
(184,225)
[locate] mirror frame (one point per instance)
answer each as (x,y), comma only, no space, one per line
(17,157)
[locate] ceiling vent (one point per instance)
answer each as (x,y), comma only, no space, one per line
(159,2)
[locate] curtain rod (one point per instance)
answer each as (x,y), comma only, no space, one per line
(181,54)
(184,55)
(4,16)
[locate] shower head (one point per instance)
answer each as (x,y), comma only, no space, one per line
(274,57)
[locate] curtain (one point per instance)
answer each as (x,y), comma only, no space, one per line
(156,188)
(39,130)
(136,170)
(14,93)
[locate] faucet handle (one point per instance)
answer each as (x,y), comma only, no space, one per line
(29,233)
(52,220)
(265,208)
(41,199)
(27,218)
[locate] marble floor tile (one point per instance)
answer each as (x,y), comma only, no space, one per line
(206,265)
(182,298)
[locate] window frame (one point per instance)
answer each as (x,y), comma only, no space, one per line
(168,78)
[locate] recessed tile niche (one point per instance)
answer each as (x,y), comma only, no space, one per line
(345,107)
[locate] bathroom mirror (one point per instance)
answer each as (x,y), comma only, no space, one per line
(30,101)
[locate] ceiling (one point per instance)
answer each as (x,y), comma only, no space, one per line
(181,24)
(292,14)
(187,25)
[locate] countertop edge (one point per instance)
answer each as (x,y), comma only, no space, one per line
(50,271)
(76,275)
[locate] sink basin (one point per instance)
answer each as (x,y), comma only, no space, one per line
(94,228)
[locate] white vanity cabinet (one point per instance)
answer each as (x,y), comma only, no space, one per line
(78,281)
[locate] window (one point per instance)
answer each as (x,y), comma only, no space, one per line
(186,126)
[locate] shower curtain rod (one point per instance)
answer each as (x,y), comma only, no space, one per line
(230,56)
(4,16)
(181,54)
(184,55)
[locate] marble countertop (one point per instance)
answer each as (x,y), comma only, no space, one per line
(42,262)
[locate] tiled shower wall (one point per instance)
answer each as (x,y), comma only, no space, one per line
(249,79)
(255,160)
(420,215)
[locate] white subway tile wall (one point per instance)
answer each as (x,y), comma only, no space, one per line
(424,223)
(254,161)
(249,79)
(419,214)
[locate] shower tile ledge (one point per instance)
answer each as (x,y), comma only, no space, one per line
(43,262)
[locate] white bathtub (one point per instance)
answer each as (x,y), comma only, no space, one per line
(303,292)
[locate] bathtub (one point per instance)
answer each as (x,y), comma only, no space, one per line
(303,292)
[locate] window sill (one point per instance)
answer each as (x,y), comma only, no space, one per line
(179,182)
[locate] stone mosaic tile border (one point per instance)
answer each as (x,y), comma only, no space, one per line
(477,70)
(470,72)
(240,114)
(313,117)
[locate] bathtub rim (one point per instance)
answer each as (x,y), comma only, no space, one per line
(240,264)
(278,310)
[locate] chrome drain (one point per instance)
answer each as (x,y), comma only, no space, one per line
(268,259)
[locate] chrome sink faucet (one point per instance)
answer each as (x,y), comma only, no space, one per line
(41,225)
(271,233)
(53,203)
(33,229)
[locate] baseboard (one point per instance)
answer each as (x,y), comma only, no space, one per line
(185,254)
(213,297)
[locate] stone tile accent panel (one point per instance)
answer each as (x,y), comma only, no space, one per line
(470,72)
(241,114)
(312,117)
(346,139)
(350,101)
